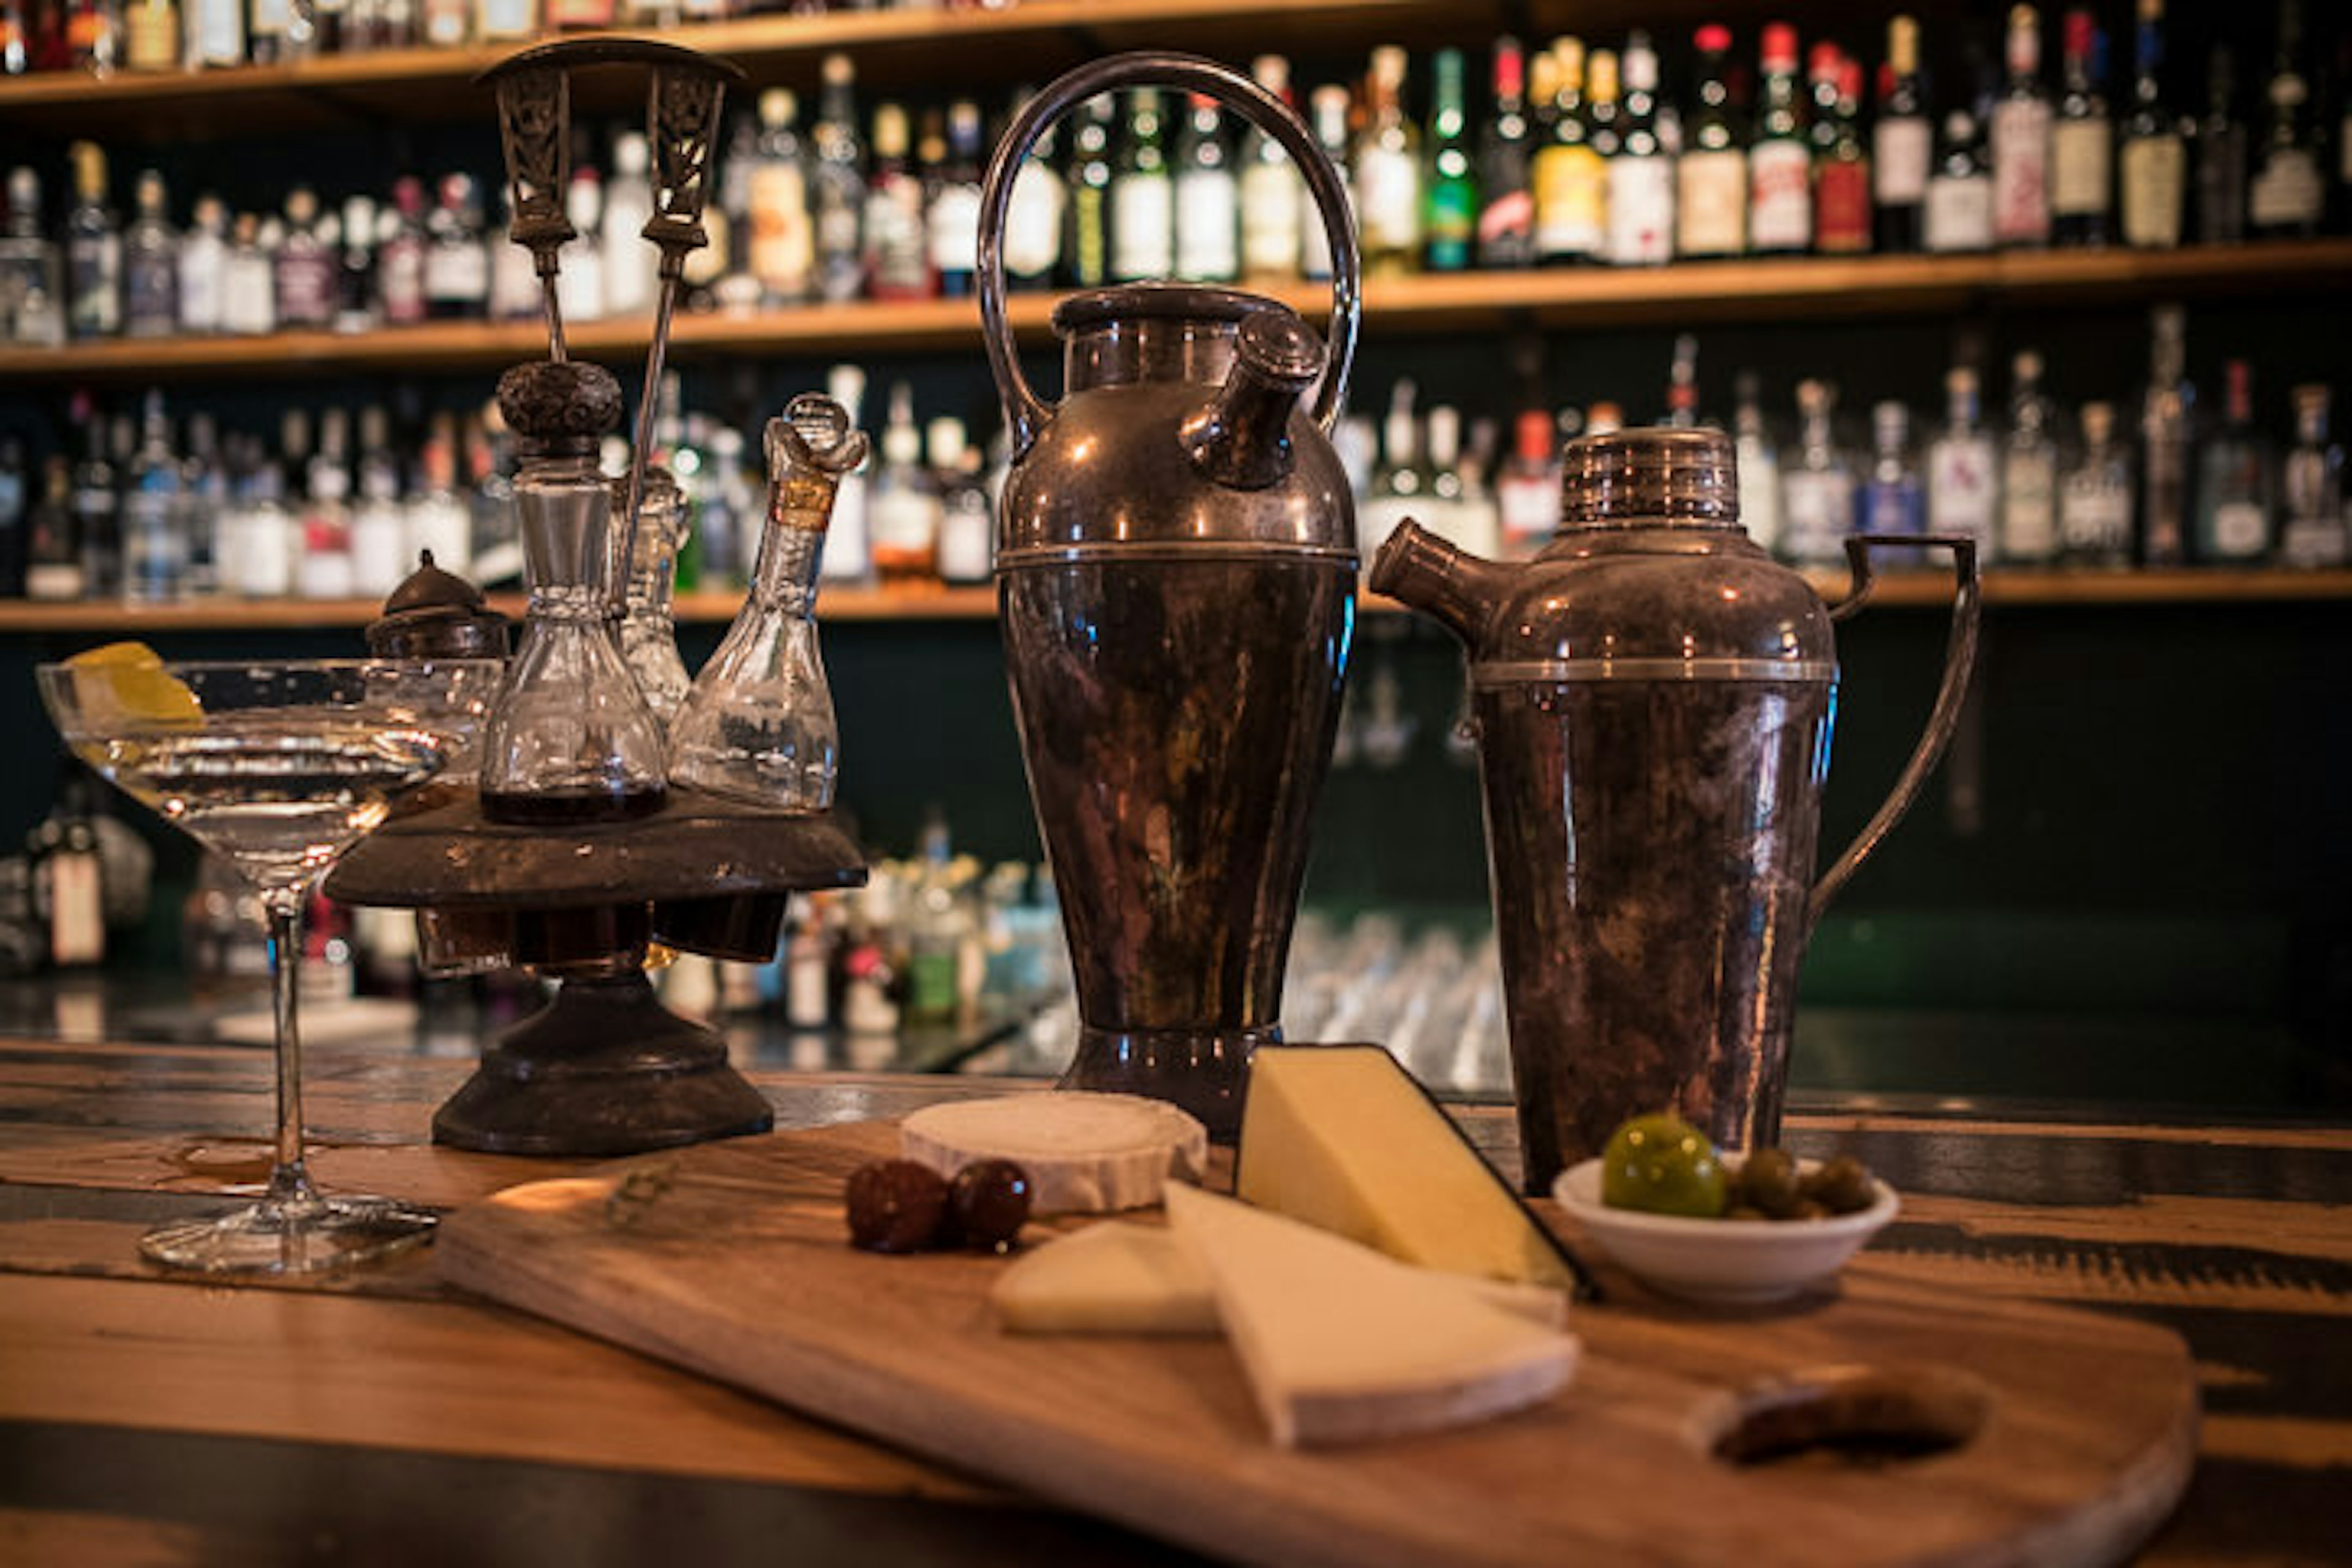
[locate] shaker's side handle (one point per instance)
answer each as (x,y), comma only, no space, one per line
(1025,412)
(1959,663)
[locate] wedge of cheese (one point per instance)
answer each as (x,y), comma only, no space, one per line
(1343,1138)
(1121,1277)
(1343,1344)
(1085,1152)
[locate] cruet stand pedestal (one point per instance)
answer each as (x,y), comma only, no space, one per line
(604,1069)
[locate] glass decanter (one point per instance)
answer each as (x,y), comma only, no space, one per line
(757,725)
(648,634)
(573,741)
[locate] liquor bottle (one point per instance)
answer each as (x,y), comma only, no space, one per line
(1270,191)
(505,21)
(952,202)
(2082,142)
(2233,482)
(1963,473)
(967,524)
(1329,108)
(1506,211)
(204,491)
(1817,487)
(1894,499)
(2094,500)
(94,36)
(1959,192)
(1401,484)
(1604,124)
(903,506)
(2021,140)
(1086,255)
(2155,158)
(1142,203)
(400,257)
(65,877)
(1642,175)
(204,267)
(1711,174)
(848,553)
(2165,432)
(302,272)
(154,548)
(32,299)
(1449,211)
(2312,532)
(579,287)
(780,247)
(445,24)
(1571,195)
(97,516)
(2221,157)
(631,265)
(215,34)
(456,273)
(356,309)
(1779,163)
(1758,465)
(1037,216)
(93,251)
(2028,532)
(270,26)
(898,251)
(323,568)
(2285,197)
(260,537)
(1388,170)
(1842,217)
(1902,144)
(249,281)
(379,539)
(1527,490)
(1207,197)
(52,552)
(151,35)
(837,183)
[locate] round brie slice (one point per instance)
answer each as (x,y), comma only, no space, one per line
(1085,1152)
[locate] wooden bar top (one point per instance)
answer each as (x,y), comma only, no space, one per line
(381,1415)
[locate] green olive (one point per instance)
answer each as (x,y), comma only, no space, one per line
(1661,1164)
(1842,1186)
(1768,1180)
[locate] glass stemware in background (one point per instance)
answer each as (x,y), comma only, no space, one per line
(280,767)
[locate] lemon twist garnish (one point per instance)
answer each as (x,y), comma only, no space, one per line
(137,688)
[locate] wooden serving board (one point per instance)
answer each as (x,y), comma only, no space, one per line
(731,1259)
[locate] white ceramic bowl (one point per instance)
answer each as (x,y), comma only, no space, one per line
(1731,1261)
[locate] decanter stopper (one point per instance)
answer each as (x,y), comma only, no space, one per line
(759,725)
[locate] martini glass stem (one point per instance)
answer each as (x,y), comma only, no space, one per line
(290,1180)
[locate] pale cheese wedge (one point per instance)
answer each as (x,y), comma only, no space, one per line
(1343,1138)
(1343,1344)
(1120,1278)
(1084,1153)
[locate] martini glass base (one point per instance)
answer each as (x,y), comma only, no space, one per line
(305,1236)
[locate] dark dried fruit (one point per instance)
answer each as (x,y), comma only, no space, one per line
(988,1203)
(896,1206)
(1842,1186)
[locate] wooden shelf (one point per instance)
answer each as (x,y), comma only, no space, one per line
(1428,303)
(1918,590)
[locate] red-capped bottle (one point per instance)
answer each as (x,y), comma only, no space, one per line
(1841,173)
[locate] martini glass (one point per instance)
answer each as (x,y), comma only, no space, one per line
(280,767)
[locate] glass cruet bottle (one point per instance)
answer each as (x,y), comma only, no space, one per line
(759,724)
(571,740)
(648,634)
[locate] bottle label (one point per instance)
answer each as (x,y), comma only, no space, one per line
(1759,492)
(1841,208)
(154,41)
(270,17)
(2313,541)
(783,246)
(2285,191)
(1570,196)
(306,289)
(1089,259)
(967,540)
(77,908)
(1817,513)
(459,274)
(2241,529)
(1033,223)
(1208,244)
(954,221)
(1641,211)
(1529,510)
(2095,519)
(1780,196)
(1143,228)
(2021,171)
(94,271)
(1270,218)
(500,19)
(1507,228)
(1959,214)
(1711,214)
(2029,511)
(151,296)
(1450,225)
(201,281)
(1389,200)
(895,238)
(1899,155)
(2155,171)
(1961,491)
(2082,172)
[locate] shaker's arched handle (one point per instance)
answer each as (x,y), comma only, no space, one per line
(1025,412)
(1959,662)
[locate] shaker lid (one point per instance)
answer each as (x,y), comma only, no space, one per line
(1156,301)
(1653,477)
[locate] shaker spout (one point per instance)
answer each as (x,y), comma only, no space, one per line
(1422,572)
(1243,437)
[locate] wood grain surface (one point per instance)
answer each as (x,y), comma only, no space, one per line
(730,1259)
